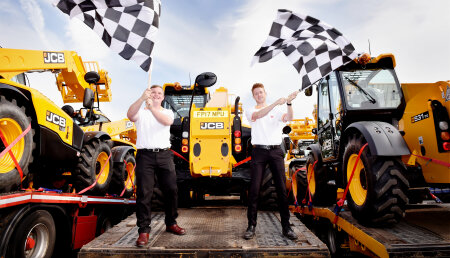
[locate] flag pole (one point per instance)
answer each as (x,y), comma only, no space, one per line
(149,77)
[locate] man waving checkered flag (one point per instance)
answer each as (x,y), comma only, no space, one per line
(314,47)
(126,26)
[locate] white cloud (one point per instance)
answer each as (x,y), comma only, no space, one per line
(34,14)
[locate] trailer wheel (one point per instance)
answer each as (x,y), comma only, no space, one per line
(377,192)
(90,163)
(123,176)
(267,193)
(322,193)
(103,223)
(13,122)
(34,236)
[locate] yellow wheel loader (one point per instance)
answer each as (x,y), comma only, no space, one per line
(54,151)
(425,128)
(378,139)
(211,145)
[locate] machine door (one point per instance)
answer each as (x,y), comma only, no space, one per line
(329,106)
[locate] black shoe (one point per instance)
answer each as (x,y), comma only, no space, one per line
(249,233)
(289,233)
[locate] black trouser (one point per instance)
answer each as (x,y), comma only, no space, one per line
(148,165)
(260,159)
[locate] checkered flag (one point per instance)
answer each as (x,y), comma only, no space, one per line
(126,26)
(314,47)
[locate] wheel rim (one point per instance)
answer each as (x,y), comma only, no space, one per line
(11,130)
(358,189)
(130,176)
(101,160)
(312,180)
(37,241)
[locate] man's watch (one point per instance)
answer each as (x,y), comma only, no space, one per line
(289,104)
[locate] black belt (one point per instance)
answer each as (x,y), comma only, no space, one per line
(266,147)
(154,150)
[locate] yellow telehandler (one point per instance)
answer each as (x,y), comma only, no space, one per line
(53,146)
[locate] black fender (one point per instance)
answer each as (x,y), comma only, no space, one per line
(119,152)
(8,88)
(383,138)
(294,161)
(315,151)
(88,136)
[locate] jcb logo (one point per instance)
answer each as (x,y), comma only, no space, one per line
(55,119)
(54,57)
(211,125)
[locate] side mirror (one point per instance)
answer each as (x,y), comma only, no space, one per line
(309,91)
(314,131)
(92,77)
(287,129)
(88,99)
(207,79)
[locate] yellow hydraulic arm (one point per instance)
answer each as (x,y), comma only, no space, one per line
(67,65)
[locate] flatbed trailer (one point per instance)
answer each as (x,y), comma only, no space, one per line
(47,223)
(211,232)
(425,231)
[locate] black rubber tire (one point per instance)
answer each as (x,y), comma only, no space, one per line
(120,177)
(267,193)
(10,180)
(385,183)
(88,168)
(301,185)
(38,225)
(323,194)
(184,196)
(104,223)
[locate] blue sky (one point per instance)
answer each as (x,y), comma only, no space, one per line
(221,36)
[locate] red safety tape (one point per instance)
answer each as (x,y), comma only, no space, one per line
(101,171)
(179,155)
(242,161)
(340,203)
(9,147)
(440,162)
(292,186)
(129,178)
(308,192)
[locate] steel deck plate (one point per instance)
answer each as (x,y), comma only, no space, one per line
(211,232)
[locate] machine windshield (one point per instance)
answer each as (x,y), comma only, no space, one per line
(179,104)
(371,89)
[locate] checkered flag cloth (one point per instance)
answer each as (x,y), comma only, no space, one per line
(126,26)
(314,47)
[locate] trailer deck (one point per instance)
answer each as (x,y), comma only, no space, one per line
(211,232)
(425,231)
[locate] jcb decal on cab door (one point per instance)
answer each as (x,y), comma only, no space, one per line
(54,58)
(57,120)
(211,125)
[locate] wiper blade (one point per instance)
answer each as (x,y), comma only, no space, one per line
(371,99)
(171,106)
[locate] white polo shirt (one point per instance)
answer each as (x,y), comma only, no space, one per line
(152,134)
(266,130)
